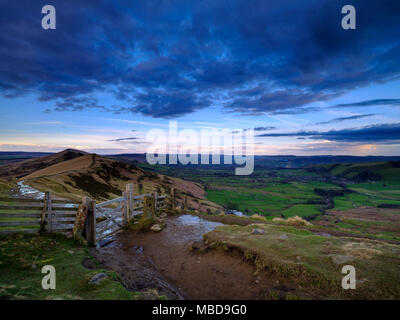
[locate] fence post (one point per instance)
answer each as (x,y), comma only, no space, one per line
(92,222)
(50,226)
(129,193)
(44,212)
(125,208)
(81,215)
(185,204)
(172,200)
(147,207)
(155,203)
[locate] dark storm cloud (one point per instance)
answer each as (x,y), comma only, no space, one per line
(369,103)
(340,119)
(170,58)
(373,133)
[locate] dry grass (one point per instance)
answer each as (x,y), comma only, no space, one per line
(294,221)
(258,217)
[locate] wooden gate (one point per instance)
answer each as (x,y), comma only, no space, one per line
(33,215)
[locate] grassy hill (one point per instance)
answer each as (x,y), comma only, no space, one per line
(26,167)
(72,174)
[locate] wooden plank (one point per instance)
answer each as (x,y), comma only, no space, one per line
(19,207)
(20,215)
(66,219)
(109,234)
(67,205)
(66,202)
(105,203)
(63,208)
(141,197)
(162,197)
(64,213)
(7,232)
(20,223)
(63,230)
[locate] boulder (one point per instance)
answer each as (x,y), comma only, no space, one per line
(257,231)
(156,227)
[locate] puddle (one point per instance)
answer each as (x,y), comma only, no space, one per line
(201,225)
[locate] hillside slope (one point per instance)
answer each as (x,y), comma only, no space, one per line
(72,174)
(362,172)
(26,167)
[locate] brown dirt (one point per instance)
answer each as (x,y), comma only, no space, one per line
(166,261)
(369,213)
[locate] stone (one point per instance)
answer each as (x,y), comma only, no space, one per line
(98,278)
(156,227)
(257,231)
(283,236)
(163,215)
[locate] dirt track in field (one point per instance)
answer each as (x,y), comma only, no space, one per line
(167,262)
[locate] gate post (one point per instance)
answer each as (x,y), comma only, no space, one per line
(155,196)
(147,207)
(129,194)
(81,217)
(172,201)
(44,216)
(125,209)
(92,222)
(50,226)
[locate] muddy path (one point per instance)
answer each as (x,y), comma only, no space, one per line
(167,262)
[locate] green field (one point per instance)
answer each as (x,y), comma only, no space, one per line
(23,256)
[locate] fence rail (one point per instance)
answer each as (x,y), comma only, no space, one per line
(94,221)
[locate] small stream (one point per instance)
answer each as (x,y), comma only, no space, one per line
(26,191)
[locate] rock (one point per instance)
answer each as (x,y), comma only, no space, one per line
(163,215)
(98,278)
(196,245)
(283,236)
(89,264)
(342,259)
(156,227)
(257,231)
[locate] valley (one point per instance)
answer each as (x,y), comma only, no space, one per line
(300,226)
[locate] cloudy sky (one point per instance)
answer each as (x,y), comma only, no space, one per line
(112,70)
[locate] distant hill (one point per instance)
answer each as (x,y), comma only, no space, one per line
(73,174)
(260,162)
(362,172)
(26,167)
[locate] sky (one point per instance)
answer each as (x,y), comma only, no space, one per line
(113,70)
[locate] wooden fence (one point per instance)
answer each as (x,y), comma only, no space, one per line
(95,221)
(33,215)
